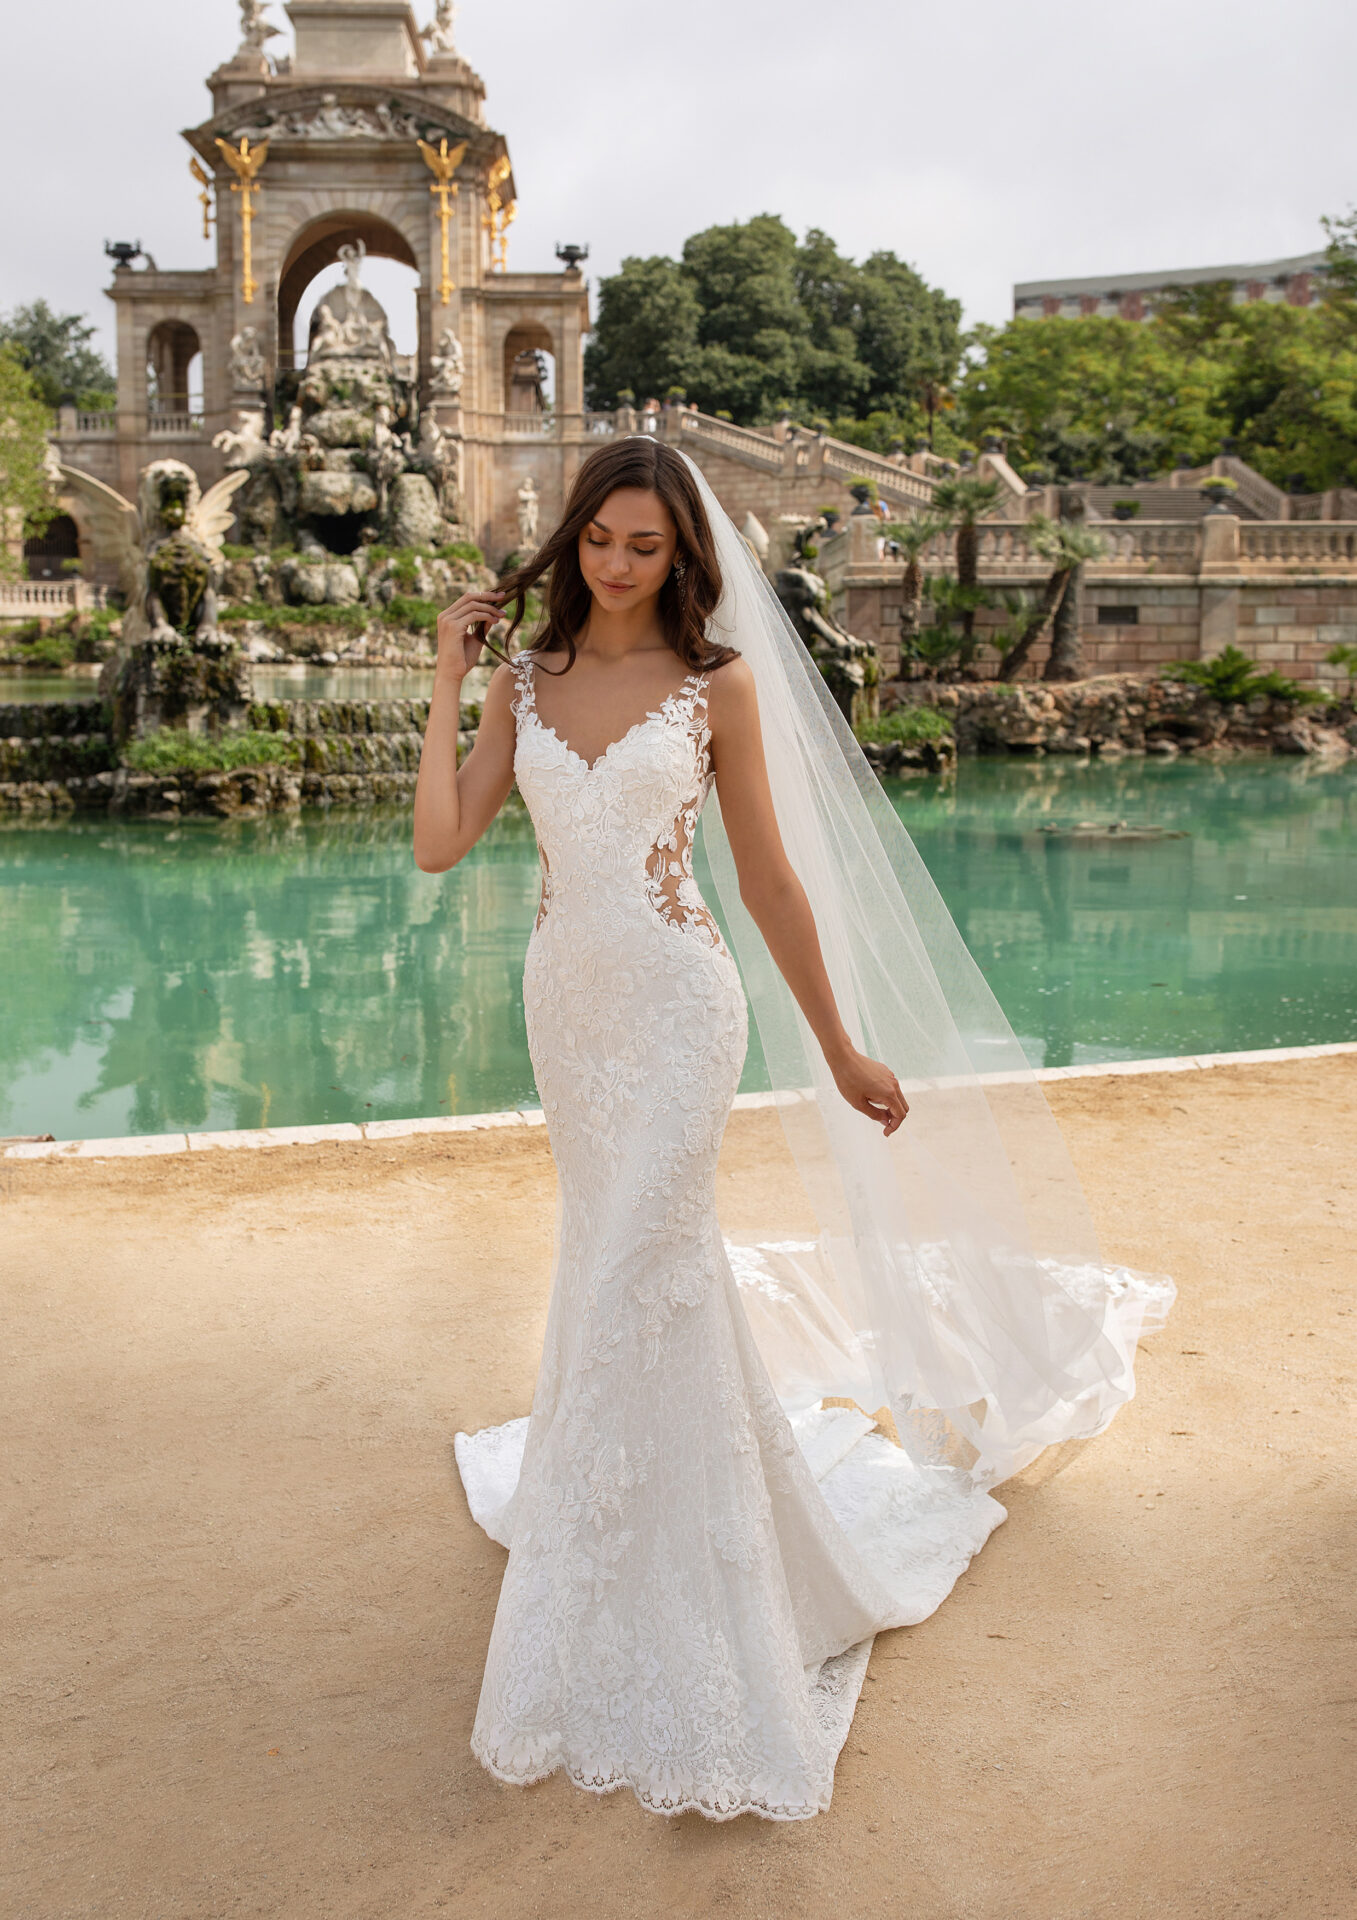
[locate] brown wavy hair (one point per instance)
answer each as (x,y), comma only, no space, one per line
(684,609)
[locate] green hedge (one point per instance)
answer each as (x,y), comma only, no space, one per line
(171,751)
(906,726)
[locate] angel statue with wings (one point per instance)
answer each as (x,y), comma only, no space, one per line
(175,667)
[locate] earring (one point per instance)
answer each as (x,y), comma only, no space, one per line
(681,576)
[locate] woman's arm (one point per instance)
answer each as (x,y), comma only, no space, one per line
(776,899)
(454,805)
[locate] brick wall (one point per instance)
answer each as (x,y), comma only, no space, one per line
(1279,624)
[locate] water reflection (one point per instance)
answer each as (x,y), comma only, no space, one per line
(1242,933)
(162,976)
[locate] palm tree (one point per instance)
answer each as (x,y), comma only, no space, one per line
(1067,545)
(961,502)
(911,537)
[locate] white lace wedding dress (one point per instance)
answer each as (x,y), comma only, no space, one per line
(693,1579)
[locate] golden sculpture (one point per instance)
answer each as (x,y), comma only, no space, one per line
(204,180)
(500,213)
(245,162)
(443,164)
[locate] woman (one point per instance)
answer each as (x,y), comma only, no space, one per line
(695,1577)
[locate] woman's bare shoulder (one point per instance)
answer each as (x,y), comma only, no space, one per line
(731,690)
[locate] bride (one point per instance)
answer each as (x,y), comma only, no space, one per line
(705,1527)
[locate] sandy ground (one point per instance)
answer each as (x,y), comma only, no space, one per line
(247,1609)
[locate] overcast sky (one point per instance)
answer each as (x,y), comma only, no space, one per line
(998,141)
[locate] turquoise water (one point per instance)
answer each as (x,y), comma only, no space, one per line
(160,976)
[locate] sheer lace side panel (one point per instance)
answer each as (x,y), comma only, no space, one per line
(545,900)
(670,886)
(523,700)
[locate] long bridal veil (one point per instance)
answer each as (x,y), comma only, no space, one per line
(956,1275)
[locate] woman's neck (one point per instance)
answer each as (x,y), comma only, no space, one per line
(610,636)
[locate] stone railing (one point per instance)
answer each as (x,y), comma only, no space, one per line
(103,424)
(897,483)
(1215,543)
(1309,543)
(797,454)
(174,426)
(46,599)
(530,426)
(754,447)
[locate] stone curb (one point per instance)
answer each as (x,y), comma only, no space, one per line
(131,1145)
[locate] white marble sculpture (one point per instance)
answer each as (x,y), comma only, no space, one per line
(446,365)
(438,33)
(528,504)
(246,443)
(255,29)
(247,358)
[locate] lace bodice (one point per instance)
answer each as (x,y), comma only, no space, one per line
(616,836)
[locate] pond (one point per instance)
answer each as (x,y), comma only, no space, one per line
(203,974)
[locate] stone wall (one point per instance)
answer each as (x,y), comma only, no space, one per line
(1284,595)
(1122,713)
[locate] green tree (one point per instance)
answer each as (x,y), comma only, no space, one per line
(55,350)
(961,503)
(912,537)
(25,496)
(908,335)
(750,322)
(1066,545)
(645,338)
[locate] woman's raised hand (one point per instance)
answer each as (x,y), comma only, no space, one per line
(462,628)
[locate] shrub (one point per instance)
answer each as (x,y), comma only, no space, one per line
(462,550)
(906,726)
(277,619)
(172,750)
(404,610)
(54,649)
(1233,678)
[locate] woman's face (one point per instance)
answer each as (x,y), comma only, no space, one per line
(627,550)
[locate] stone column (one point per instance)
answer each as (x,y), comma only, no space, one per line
(1219,597)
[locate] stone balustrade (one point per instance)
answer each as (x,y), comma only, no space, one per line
(174,426)
(47,599)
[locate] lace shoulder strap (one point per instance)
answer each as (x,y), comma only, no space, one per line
(524,698)
(690,705)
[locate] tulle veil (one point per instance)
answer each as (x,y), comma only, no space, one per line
(956,1277)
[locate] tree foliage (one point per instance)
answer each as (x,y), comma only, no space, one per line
(54,348)
(25,496)
(752,321)
(1115,401)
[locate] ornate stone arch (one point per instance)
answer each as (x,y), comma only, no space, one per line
(314,245)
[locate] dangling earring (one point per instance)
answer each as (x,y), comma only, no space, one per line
(681,576)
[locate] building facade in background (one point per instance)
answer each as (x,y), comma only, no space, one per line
(1136,296)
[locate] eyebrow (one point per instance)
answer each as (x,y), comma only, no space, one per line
(647,533)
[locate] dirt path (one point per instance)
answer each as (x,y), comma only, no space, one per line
(247,1610)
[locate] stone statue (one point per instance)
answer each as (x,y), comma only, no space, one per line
(528,503)
(175,668)
(439,31)
(287,439)
(446,366)
(254,28)
(247,445)
(247,359)
(849,665)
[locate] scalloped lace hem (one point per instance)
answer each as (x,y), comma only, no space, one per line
(652,1803)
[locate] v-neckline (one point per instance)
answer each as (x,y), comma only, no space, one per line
(592,766)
